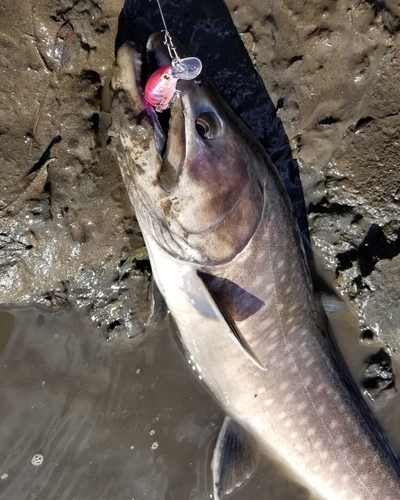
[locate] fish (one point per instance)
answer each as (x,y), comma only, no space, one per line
(227,257)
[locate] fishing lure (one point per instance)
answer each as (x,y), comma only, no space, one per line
(160,90)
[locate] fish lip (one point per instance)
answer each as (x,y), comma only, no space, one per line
(147,66)
(132,66)
(148,59)
(158,55)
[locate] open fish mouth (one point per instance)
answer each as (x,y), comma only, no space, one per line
(131,71)
(190,113)
(154,57)
(158,55)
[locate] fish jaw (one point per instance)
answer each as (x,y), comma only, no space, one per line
(134,133)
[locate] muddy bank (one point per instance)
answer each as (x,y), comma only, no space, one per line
(331,70)
(65,241)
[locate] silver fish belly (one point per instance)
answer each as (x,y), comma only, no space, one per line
(227,257)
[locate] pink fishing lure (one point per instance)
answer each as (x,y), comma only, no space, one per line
(160,88)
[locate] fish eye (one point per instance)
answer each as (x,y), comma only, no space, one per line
(208,125)
(166,77)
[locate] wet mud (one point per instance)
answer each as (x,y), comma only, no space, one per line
(316,82)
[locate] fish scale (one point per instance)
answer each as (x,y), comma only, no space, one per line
(273,420)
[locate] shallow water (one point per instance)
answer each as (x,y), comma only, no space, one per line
(112,421)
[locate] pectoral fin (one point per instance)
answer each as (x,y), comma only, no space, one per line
(235,459)
(203,300)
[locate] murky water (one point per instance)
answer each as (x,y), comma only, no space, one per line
(83,419)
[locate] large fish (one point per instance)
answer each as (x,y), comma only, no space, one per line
(227,257)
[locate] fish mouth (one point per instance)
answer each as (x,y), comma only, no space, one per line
(172,128)
(131,71)
(165,128)
(169,125)
(154,57)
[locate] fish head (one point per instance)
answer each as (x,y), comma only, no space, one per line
(194,174)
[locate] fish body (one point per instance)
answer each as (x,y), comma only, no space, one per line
(227,257)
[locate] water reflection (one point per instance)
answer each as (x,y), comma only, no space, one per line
(103,416)
(111,421)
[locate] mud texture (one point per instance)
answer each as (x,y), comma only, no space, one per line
(316,82)
(331,70)
(327,105)
(64,240)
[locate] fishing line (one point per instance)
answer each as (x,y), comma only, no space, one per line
(160,90)
(167,39)
(187,68)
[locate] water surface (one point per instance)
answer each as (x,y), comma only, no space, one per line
(111,421)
